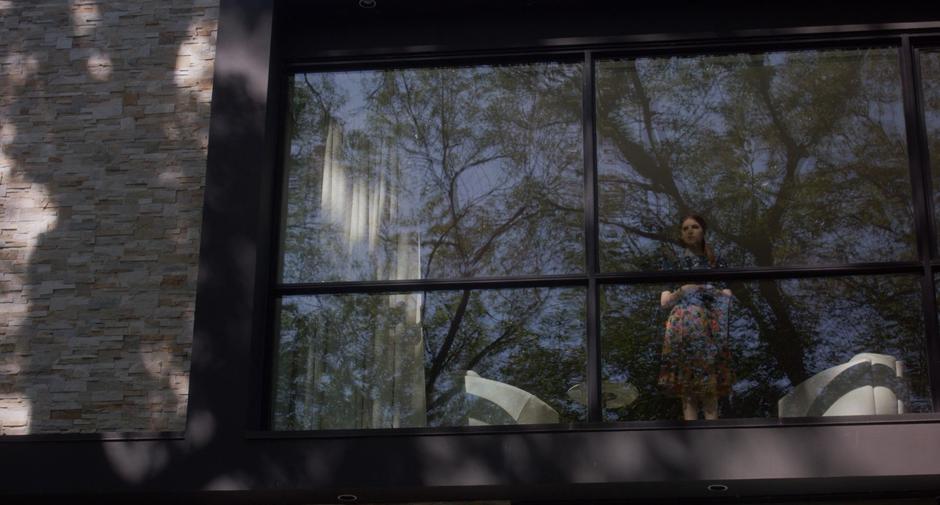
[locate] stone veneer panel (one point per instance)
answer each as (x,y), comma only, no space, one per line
(104,117)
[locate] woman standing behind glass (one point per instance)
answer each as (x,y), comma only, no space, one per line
(696,358)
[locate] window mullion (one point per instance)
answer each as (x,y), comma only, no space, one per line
(592,266)
(923,212)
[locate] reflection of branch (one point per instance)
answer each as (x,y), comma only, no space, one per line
(662,237)
(420,134)
(613,180)
(492,346)
(557,206)
(503,228)
(440,241)
(501,340)
(762,249)
(320,101)
(648,164)
(505,336)
(644,102)
(437,364)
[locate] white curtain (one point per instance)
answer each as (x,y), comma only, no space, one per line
(367,371)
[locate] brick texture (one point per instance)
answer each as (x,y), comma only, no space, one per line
(104,116)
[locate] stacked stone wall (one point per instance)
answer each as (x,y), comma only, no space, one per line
(104,117)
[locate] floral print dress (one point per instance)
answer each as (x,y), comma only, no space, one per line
(696,359)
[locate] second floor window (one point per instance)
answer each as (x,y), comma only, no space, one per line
(438,247)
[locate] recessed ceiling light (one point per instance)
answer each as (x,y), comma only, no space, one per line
(367,4)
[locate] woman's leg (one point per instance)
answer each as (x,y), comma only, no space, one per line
(689,408)
(710,407)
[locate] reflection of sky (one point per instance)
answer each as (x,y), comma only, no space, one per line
(354,115)
(488,185)
(693,134)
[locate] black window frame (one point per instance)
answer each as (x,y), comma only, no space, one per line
(593,279)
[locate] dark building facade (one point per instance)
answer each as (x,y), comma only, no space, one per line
(445,255)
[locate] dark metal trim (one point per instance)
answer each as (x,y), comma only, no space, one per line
(653,464)
(724,46)
(923,141)
(916,150)
(732,47)
(745,274)
(429,285)
(729,274)
(226,366)
(279,95)
(437,59)
(268,262)
(925,41)
(591,253)
(641,42)
(602,426)
(588,112)
(919,162)
(93,437)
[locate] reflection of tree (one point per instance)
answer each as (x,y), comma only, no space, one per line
(350,362)
(930,76)
(531,338)
(371,376)
(794,158)
(477,167)
(453,173)
(857,314)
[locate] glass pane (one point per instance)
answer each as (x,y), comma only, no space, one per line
(930,85)
(446,358)
(794,348)
(434,173)
(792,158)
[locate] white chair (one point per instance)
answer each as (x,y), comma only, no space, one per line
(868,384)
(520,406)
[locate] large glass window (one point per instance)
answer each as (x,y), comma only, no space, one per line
(753,241)
(788,347)
(930,87)
(434,173)
(441,358)
(792,158)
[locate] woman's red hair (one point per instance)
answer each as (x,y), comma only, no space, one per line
(709,253)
